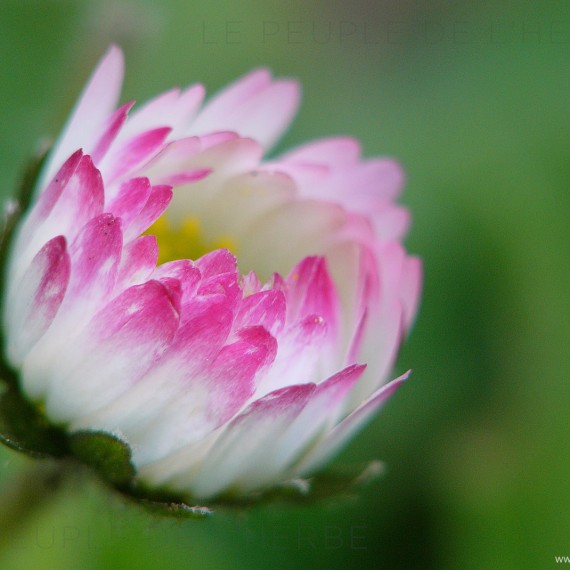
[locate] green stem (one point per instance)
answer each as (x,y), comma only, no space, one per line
(26,493)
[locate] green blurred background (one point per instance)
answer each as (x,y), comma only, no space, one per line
(474,100)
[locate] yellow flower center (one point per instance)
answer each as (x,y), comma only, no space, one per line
(185,241)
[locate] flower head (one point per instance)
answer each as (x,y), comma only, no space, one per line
(232,318)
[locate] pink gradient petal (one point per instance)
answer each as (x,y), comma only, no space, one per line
(95,104)
(301,349)
(266,116)
(171,164)
(311,291)
(81,199)
(185,272)
(69,203)
(132,196)
(331,170)
(172,157)
(217,262)
(213,139)
(346,429)
(49,197)
(147,303)
(330,395)
(411,288)
(39,296)
(265,308)
(385,321)
(357,339)
(188,104)
(339,151)
(95,256)
(186,177)
(133,153)
(255,106)
(138,261)
(247,440)
(169,108)
(362,185)
(310,178)
(178,375)
(318,415)
(224,286)
(213,116)
(199,403)
(206,326)
(222,161)
(381,178)
(118,347)
(251,284)
(114,124)
(354,277)
(233,372)
(158,201)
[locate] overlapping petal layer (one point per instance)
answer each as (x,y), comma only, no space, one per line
(211,307)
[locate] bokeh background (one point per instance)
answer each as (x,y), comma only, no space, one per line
(474,100)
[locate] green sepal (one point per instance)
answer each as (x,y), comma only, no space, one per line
(24,429)
(177,510)
(334,484)
(106,454)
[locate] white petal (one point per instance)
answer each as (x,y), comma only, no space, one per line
(96,103)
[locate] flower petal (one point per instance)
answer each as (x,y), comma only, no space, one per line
(132,154)
(283,236)
(110,132)
(169,108)
(410,288)
(217,262)
(158,201)
(254,106)
(346,429)
(138,261)
(265,308)
(74,197)
(311,291)
(319,415)
(97,102)
(95,256)
(184,271)
(133,194)
(39,295)
(197,342)
(338,150)
(223,160)
(243,443)
(117,348)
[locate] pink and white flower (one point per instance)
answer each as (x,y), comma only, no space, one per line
(209,306)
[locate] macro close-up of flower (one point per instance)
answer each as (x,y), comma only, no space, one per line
(283,285)
(232,318)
